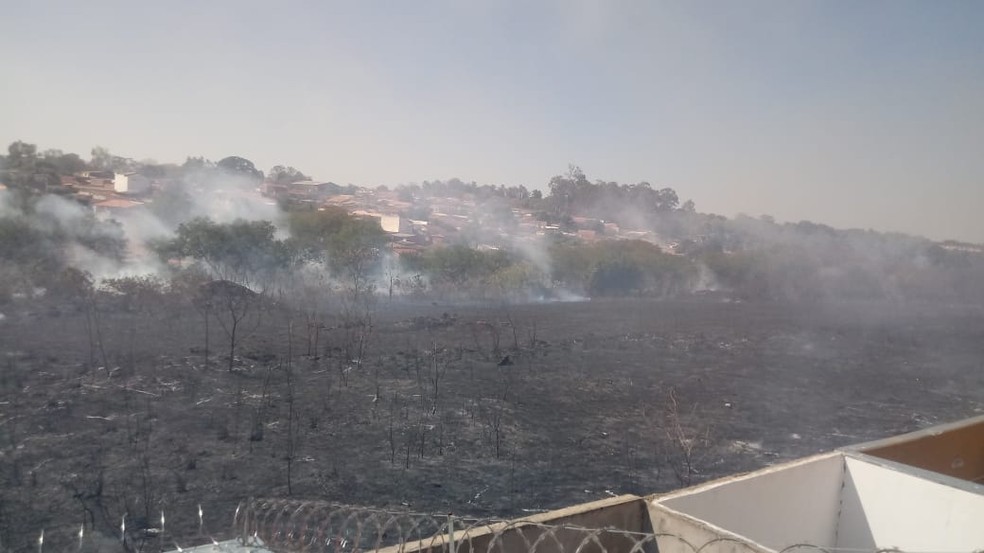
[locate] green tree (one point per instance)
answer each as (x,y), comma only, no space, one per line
(564,191)
(22,157)
(335,236)
(172,204)
(286,175)
(192,164)
(244,252)
(616,278)
(239,166)
(62,163)
(34,240)
(22,244)
(101,159)
(621,267)
(24,169)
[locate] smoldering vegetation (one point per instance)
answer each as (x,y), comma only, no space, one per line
(216,344)
(590,240)
(134,403)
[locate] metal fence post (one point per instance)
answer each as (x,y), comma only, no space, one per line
(451,547)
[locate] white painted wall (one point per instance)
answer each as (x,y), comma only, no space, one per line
(884,508)
(793,503)
(130,184)
(393,223)
(833,501)
(679,533)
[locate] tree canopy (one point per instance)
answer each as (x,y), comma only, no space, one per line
(334,236)
(572,194)
(245,252)
(285,175)
(239,166)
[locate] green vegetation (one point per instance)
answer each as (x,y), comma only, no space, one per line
(611,268)
(622,267)
(495,249)
(40,237)
(335,237)
(241,251)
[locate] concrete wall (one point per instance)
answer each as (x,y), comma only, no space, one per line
(883,508)
(680,533)
(793,503)
(839,500)
(955,450)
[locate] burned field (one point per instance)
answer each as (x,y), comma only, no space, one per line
(479,410)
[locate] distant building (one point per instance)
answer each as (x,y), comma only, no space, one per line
(114,206)
(311,189)
(341,200)
(131,183)
(301,191)
(395,224)
(108,175)
(392,224)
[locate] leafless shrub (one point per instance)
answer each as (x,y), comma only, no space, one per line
(688,439)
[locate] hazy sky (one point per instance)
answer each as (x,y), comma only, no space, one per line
(855,114)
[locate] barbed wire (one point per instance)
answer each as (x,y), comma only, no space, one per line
(296,526)
(136,534)
(293,526)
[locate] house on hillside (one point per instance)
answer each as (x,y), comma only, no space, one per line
(102,175)
(311,190)
(392,224)
(342,200)
(131,183)
(299,191)
(113,207)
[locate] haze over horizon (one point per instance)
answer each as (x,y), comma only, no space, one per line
(865,115)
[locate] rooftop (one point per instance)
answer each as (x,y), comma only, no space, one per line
(117,203)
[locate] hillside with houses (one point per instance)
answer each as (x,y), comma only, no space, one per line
(464,239)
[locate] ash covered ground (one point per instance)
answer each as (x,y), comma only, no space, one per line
(478,410)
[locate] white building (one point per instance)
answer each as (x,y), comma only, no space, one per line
(130,183)
(393,224)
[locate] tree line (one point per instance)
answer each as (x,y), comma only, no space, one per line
(26,167)
(748,258)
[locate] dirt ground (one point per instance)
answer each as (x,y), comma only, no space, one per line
(596,398)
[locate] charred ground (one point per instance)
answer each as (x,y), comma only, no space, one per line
(601,397)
